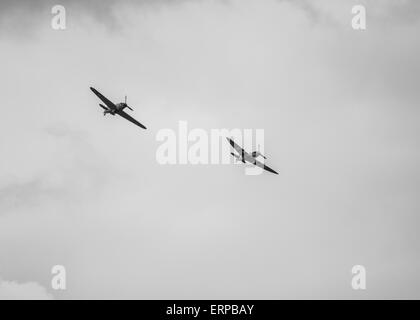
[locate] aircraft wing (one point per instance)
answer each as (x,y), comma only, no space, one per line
(108,103)
(237,147)
(263,166)
(129,118)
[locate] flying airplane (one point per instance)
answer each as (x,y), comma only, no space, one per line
(251,158)
(118,108)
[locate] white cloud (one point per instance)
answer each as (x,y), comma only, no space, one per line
(11,290)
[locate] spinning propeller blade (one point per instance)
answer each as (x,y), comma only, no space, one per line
(125,101)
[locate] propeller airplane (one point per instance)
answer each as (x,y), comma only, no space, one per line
(112,108)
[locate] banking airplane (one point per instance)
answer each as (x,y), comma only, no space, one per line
(251,158)
(118,108)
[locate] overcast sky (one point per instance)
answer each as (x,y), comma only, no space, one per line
(339,109)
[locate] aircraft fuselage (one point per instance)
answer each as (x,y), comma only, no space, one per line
(118,107)
(121,106)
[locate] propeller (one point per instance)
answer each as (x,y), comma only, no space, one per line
(125,101)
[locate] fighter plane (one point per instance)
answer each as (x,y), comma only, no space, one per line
(118,108)
(251,158)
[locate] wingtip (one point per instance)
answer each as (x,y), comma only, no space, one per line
(275,172)
(272,171)
(231,142)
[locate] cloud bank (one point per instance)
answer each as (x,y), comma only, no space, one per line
(11,290)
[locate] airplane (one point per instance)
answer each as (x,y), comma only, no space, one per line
(251,158)
(118,108)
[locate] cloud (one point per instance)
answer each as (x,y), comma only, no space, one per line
(65,176)
(11,290)
(25,17)
(337,12)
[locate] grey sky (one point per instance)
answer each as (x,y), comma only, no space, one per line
(340,113)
